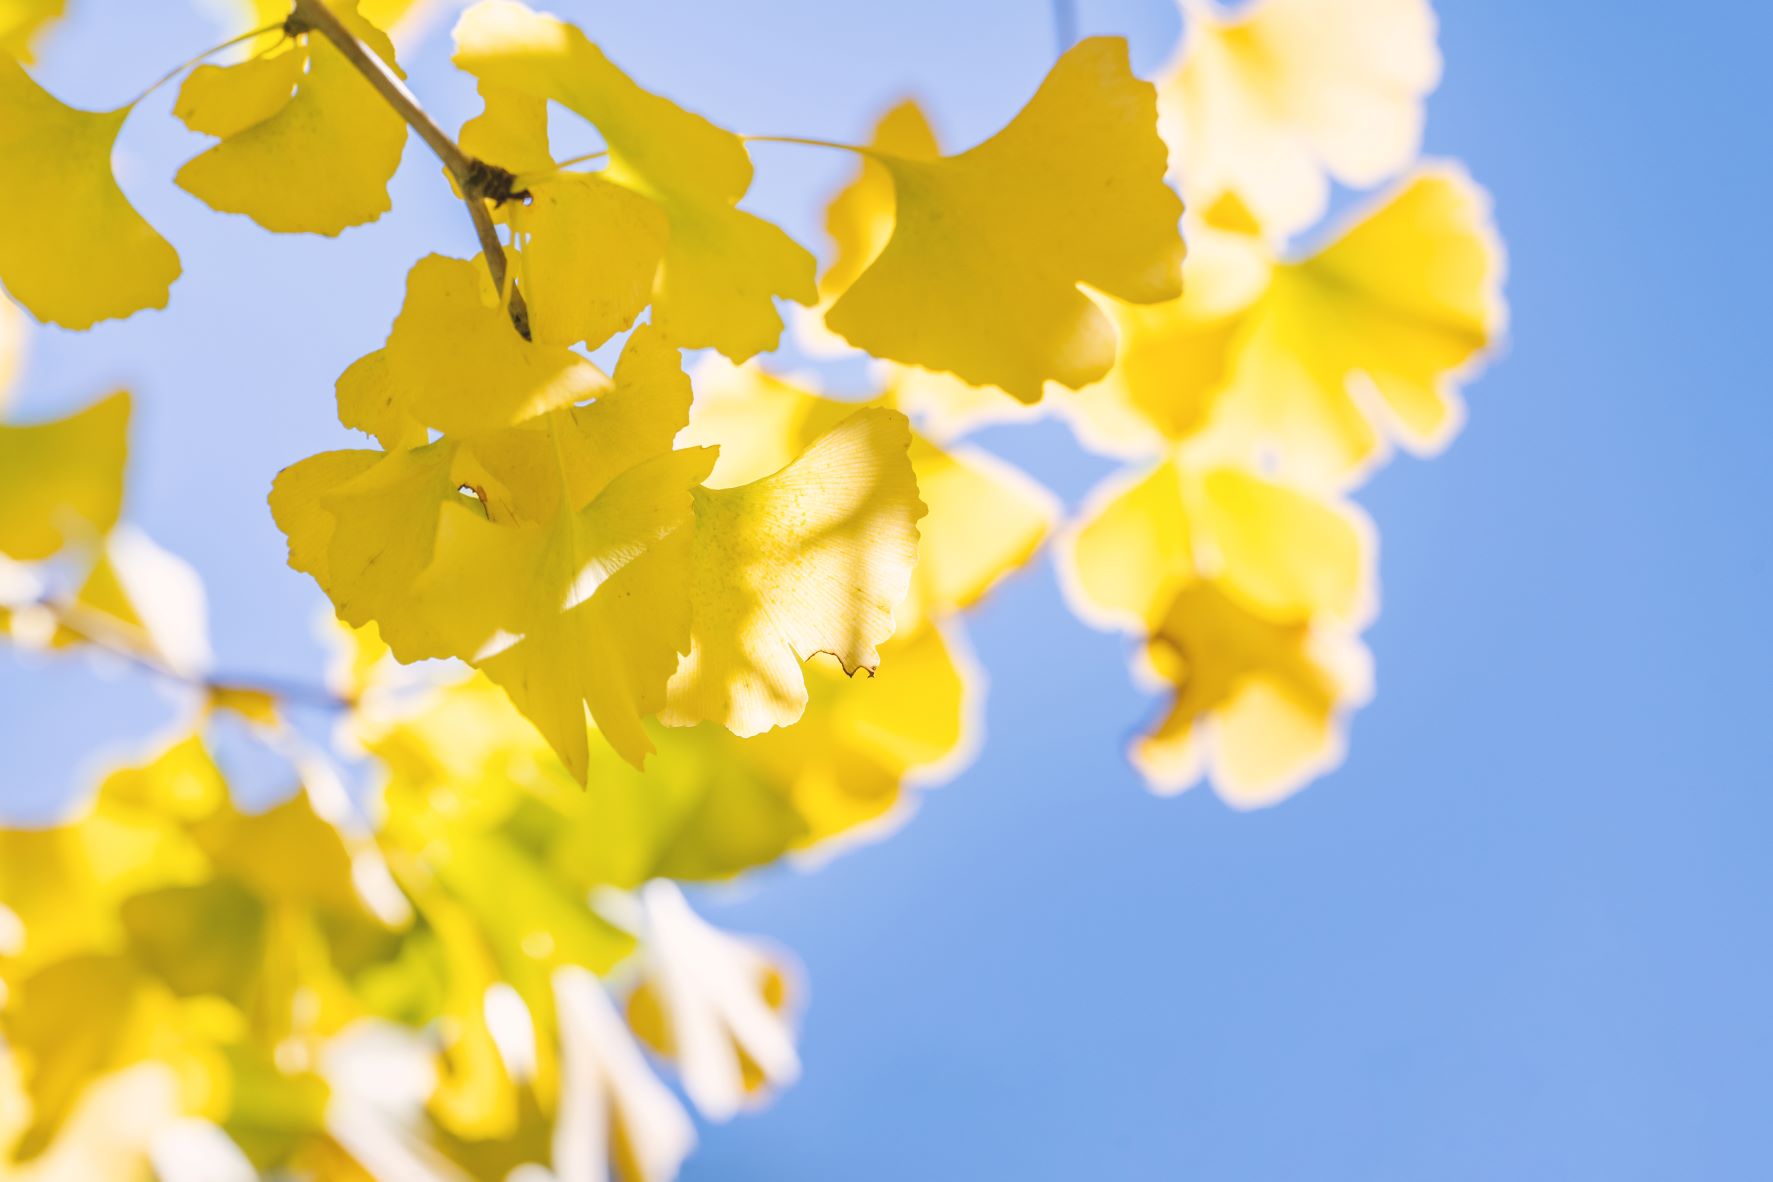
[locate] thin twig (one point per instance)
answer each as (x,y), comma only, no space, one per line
(477,180)
(92,628)
(206,55)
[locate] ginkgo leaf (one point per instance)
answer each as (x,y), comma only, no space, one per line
(713,1004)
(986,518)
(847,764)
(1310,364)
(811,559)
(223,101)
(602,606)
(455,363)
(511,130)
(23,21)
(590,608)
(1269,690)
(859,219)
(1177,359)
(1248,593)
(1278,547)
(557,573)
(1264,101)
(316,160)
(64,478)
(73,250)
(364,524)
(981,274)
(1376,329)
(589,252)
(722,267)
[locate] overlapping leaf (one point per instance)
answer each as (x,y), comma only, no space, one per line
(1249,595)
(980,276)
(1266,100)
(307,146)
(1314,362)
(592,241)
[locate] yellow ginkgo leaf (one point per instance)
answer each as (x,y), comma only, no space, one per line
(1263,101)
(1279,548)
(64,478)
(73,250)
(455,363)
(715,1005)
(511,130)
(223,101)
(860,218)
(1175,359)
(589,252)
(364,524)
(1375,329)
(846,764)
(602,609)
(986,518)
(811,559)
(980,277)
(1248,594)
(23,21)
(722,267)
(316,162)
(1270,691)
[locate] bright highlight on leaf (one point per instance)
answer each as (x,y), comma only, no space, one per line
(986,518)
(721,267)
(73,250)
(981,274)
(307,144)
(1264,100)
(812,559)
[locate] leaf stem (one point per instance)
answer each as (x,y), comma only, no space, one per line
(205,56)
(805,142)
(477,180)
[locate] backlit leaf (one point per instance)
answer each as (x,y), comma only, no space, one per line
(317,160)
(73,250)
(981,274)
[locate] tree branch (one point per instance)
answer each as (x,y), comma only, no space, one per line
(477,180)
(94,629)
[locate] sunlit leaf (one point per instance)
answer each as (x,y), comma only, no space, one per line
(73,250)
(981,274)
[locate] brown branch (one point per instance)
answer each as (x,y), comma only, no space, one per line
(94,629)
(477,180)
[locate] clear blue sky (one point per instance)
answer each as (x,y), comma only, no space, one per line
(1522,933)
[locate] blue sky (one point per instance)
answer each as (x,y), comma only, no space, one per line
(1522,933)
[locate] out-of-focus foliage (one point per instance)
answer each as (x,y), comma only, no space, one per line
(601,632)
